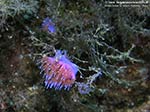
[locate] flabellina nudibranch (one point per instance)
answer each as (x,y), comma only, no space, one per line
(48,25)
(59,71)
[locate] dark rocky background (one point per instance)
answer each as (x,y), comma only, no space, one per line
(111,41)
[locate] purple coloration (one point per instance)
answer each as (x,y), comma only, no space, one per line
(63,58)
(59,72)
(48,25)
(84,88)
(51,29)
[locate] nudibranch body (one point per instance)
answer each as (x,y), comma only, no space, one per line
(48,25)
(59,71)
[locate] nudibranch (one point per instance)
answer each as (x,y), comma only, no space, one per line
(59,71)
(48,25)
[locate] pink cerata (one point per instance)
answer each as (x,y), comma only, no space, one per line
(59,71)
